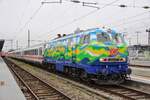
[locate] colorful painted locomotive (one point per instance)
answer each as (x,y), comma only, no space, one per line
(95,54)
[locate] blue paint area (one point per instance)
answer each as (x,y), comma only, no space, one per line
(59,67)
(96,68)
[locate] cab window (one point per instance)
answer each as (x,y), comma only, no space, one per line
(86,39)
(103,37)
(93,36)
(118,38)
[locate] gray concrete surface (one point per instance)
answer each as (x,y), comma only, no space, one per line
(140,62)
(140,74)
(9,90)
(138,71)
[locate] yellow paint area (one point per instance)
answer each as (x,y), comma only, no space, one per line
(123,50)
(97,52)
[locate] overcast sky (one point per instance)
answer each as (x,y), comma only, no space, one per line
(47,20)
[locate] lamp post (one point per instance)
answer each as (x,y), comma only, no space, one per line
(148,30)
(137,37)
(28,38)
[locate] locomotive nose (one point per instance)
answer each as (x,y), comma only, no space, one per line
(113,51)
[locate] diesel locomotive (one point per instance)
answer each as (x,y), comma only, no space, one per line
(95,54)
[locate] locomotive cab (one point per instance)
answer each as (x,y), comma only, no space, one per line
(107,52)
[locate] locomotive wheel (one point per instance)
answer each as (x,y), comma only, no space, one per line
(53,68)
(70,71)
(49,67)
(83,74)
(66,70)
(73,72)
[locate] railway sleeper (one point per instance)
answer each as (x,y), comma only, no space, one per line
(39,87)
(44,91)
(141,98)
(124,92)
(46,94)
(56,97)
(133,95)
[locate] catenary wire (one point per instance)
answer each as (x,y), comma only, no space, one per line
(81,17)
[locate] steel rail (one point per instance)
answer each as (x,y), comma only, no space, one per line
(16,74)
(125,92)
(60,95)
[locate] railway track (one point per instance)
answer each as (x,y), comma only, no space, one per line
(36,89)
(127,93)
(24,87)
(118,91)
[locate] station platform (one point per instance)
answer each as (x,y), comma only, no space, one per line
(9,89)
(141,74)
(142,79)
(140,62)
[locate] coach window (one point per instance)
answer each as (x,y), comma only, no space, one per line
(32,52)
(40,51)
(36,51)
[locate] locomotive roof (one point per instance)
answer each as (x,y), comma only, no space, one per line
(77,34)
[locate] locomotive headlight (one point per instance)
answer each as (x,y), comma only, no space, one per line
(122,59)
(103,59)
